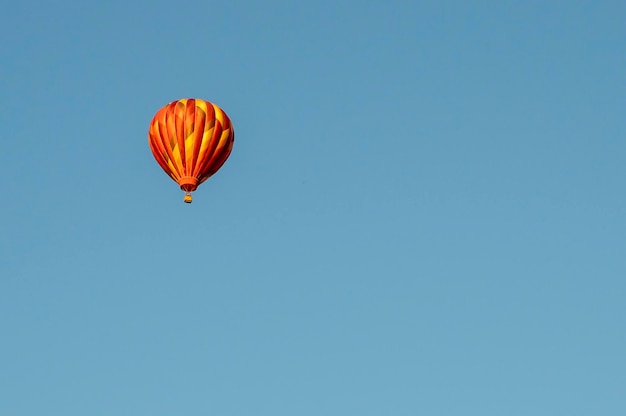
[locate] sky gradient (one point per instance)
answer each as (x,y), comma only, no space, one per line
(423,214)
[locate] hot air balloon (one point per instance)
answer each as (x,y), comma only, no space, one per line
(191,139)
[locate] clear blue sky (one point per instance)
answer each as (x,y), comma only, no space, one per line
(424,212)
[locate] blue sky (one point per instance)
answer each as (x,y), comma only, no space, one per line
(423,214)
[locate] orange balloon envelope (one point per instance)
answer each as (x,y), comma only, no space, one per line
(191,139)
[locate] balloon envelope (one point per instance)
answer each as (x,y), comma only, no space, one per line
(191,139)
